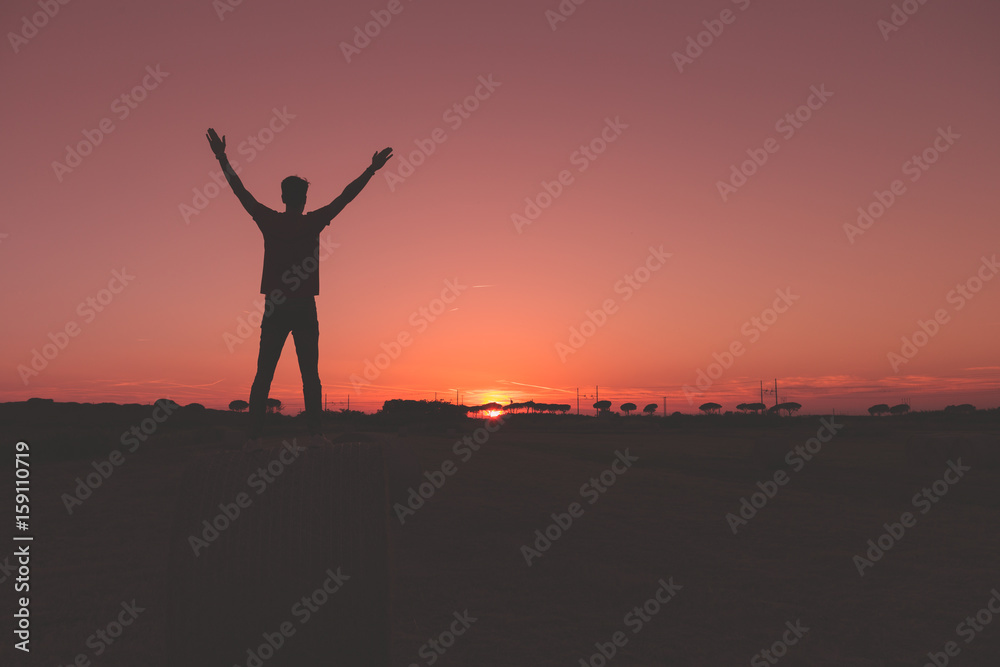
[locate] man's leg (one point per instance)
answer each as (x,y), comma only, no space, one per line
(273,332)
(306,335)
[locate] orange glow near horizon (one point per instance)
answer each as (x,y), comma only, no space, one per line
(552,221)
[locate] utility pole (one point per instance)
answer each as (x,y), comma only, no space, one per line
(776,392)
(578,401)
(348,402)
(597,395)
(762,391)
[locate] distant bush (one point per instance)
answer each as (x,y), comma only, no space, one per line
(436,412)
(167,403)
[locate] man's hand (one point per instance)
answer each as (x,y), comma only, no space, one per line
(218,145)
(380,158)
(330,211)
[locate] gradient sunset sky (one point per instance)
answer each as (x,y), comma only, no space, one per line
(281,72)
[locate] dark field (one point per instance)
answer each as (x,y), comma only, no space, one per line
(664,518)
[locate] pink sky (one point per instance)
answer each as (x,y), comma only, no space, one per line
(655,185)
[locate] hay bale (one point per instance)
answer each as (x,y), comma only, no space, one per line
(936,449)
(324,514)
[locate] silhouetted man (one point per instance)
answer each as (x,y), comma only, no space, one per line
(290,281)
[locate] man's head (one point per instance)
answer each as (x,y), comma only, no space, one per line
(293,192)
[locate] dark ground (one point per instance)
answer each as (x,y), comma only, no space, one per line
(664,518)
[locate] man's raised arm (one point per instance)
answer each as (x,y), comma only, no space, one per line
(219,148)
(330,211)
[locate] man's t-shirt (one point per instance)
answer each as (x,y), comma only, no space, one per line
(291,251)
